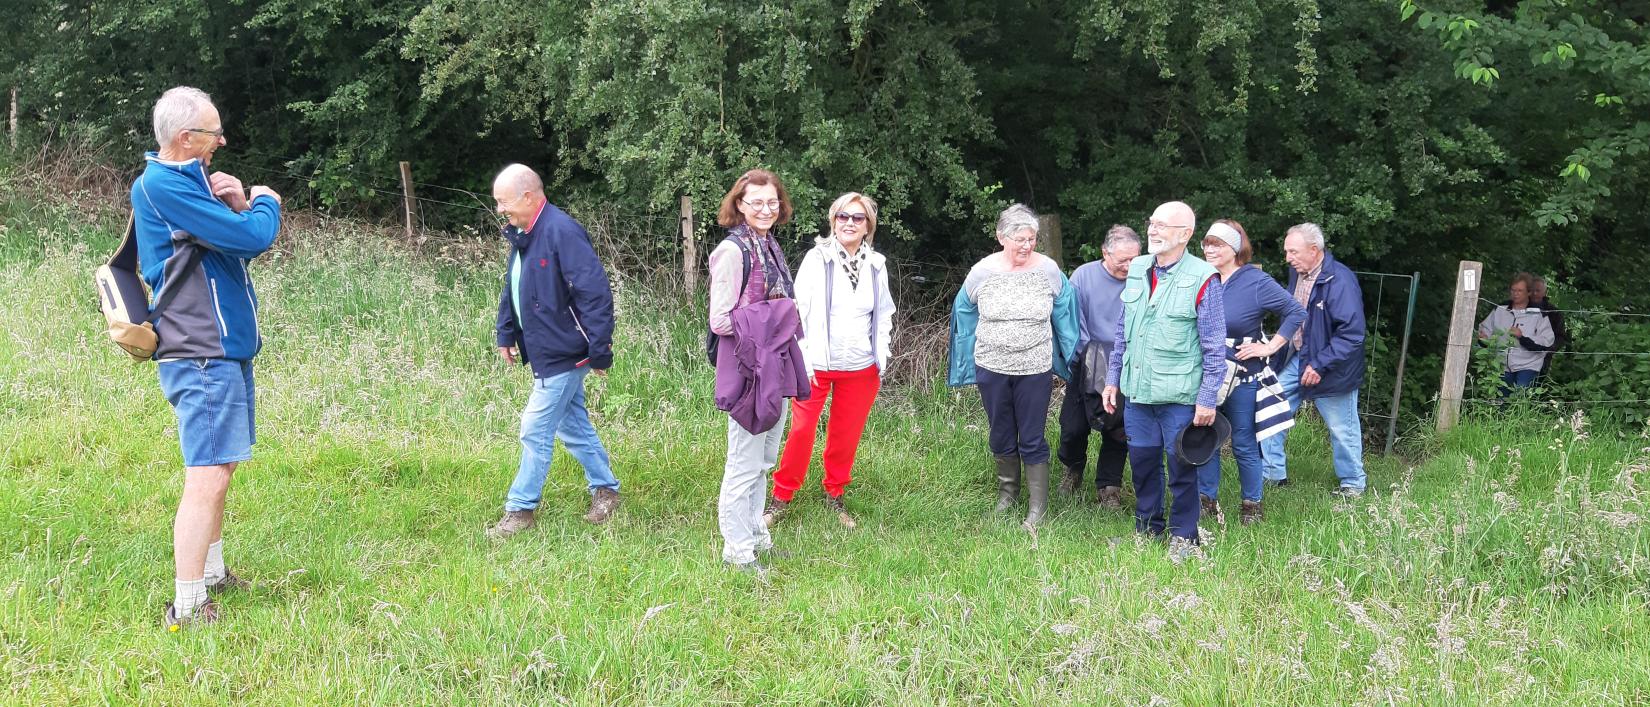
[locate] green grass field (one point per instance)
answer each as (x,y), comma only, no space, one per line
(1508,565)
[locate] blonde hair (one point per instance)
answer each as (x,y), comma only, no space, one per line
(870,205)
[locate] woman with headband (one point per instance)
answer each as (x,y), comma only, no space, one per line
(1254,405)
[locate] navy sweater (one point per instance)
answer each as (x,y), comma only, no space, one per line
(1250,294)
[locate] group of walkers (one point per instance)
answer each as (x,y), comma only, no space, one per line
(1524,331)
(1164,355)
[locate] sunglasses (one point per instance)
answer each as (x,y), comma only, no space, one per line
(842,217)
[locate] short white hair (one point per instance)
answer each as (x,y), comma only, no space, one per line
(1016,218)
(1118,235)
(1311,233)
(178,109)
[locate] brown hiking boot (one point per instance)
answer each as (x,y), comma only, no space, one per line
(1111,498)
(1210,507)
(775,511)
(602,504)
(204,614)
(1070,481)
(1250,513)
(835,504)
(513,522)
(228,582)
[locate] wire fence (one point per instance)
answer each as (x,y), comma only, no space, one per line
(1592,359)
(1385,366)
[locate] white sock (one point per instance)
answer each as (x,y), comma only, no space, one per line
(191,594)
(214,563)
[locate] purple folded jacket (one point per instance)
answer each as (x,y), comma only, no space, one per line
(761,365)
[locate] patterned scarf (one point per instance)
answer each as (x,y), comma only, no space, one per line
(851,263)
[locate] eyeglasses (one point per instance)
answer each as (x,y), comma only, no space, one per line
(511,203)
(760,206)
(842,217)
(1022,242)
(204,131)
(1159,226)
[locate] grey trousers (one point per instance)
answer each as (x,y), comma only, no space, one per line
(744,489)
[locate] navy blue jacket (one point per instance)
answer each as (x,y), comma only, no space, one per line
(567,303)
(1333,335)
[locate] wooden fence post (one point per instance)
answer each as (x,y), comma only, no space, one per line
(13,123)
(1458,354)
(690,248)
(1048,238)
(407,198)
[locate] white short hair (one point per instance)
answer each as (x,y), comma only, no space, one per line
(1016,218)
(1118,235)
(178,109)
(1311,233)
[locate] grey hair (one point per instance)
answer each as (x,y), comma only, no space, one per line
(1016,218)
(177,110)
(1311,233)
(1117,235)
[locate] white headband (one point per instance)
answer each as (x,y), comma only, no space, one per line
(1227,234)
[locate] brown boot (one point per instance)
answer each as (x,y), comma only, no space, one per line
(513,522)
(228,582)
(834,503)
(206,613)
(1111,498)
(1008,482)
(1210,507)
(774,512)
(602,504)
(1250,513)
(1071,480)
(1037,491)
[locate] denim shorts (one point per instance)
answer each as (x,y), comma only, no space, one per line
(213,398)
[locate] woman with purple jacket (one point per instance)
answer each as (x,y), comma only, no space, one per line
(1250,295)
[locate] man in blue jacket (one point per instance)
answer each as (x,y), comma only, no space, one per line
(1326,357)
(556,315)
(196,232)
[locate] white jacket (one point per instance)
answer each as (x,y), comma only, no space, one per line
(814,279)
(1532,321)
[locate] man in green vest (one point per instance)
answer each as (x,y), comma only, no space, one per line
(1169,361)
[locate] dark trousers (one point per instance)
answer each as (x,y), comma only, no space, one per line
(1016,407)
(1152,432)
(1074,444)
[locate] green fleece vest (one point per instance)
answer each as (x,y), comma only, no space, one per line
(1164,360)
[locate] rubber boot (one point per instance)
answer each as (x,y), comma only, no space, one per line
(1008,482)
(1037,489)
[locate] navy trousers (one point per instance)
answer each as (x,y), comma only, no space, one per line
(1152,432)
(1016,407)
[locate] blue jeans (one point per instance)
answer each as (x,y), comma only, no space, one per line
(1340,415)
(1239,409)
(556,410)
(1514,380)
(214,399)
(1152,430)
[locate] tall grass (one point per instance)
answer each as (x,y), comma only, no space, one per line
(1508,566)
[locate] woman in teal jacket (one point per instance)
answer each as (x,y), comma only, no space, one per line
(1014,323)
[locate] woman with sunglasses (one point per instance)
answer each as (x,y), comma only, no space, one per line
(847,322)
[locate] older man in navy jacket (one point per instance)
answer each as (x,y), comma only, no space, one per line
(556,315)
(1325,361)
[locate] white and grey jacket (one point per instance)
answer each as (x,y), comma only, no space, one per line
(816,278)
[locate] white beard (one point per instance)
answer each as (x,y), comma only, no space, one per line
(1157,245)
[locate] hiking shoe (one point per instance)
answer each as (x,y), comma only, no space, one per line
(754,568)
(775,511)
(228,582)
(1181,549)
(1211,508)
(1280,483)
(602,504)
(204,614)
(835,504)
(1250,513)
(1348,492)
(513,522)
(1070,481)
(1111,498)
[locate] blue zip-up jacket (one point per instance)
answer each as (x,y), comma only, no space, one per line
(215,314)
(567,303)
(1332,339)
(965,319)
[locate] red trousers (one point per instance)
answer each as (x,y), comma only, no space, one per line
(852,393)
